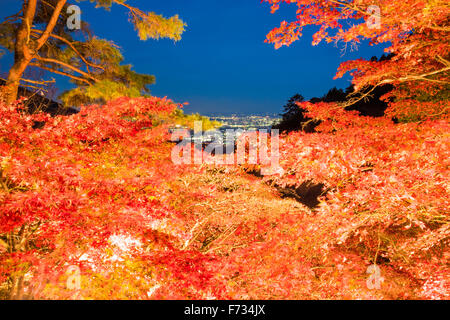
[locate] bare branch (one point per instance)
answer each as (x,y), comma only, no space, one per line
(41,82)
(68,66)
(421,77)
(60,72)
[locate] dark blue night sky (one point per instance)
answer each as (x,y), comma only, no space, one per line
(222,64)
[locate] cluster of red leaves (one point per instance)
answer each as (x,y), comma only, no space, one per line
(417,33)
(67,190)
(98,190)
(387,188)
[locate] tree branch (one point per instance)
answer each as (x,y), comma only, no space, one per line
(444,29)
(42,82)
(354,8)
(70,44)
(421,77)
(51,24)
(66,65)
(23,34)
(61,73)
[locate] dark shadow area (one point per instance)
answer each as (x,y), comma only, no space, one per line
(36,102)
(307,193)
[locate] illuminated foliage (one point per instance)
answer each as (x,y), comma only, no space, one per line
(418,34)
(97,192)
(68,190)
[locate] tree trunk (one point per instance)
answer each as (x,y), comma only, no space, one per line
(9,92)
(25,49)
(23,52)
(12,83)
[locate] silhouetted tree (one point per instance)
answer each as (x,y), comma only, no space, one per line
(294,118)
